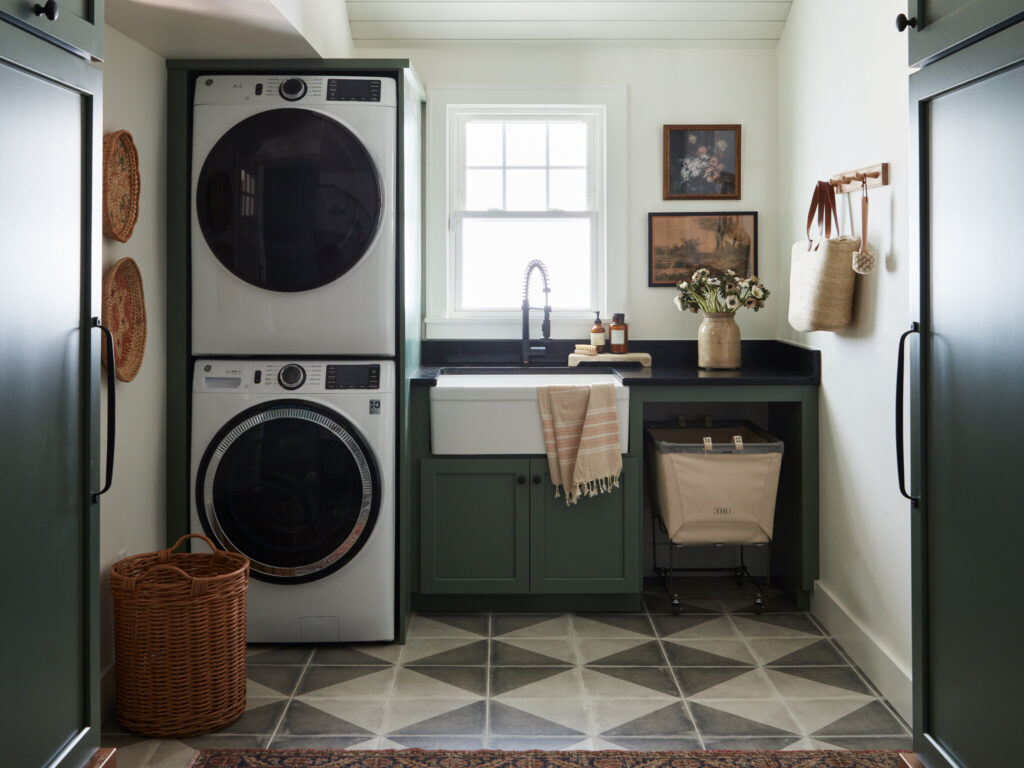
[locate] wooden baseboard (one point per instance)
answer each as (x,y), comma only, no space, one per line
(104,757)
(909,760)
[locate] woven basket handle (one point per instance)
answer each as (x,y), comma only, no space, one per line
(165,554)
(199,585)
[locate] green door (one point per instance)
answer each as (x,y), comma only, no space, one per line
(944,26)
(48,137)
(474,526)
(592,546)
(969,525)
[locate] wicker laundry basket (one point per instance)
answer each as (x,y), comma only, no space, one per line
(716,485)
(179,640)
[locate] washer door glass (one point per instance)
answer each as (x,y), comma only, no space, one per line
(292,486)
(289,200)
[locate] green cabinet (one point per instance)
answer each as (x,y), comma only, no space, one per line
(77,24)
(493,525)
(944,26)
(591,546)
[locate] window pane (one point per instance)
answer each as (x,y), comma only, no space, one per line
(569,190)
(568,144)
(525,143)
(495,253)
(483,190)
(483,143)
(526,191)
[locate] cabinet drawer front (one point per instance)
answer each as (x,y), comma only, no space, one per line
(474,527)
(78,26)
(945,26)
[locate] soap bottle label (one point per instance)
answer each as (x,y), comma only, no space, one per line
(618,337)
(597,339)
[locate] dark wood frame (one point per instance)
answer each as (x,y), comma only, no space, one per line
(667,132)
(650,242)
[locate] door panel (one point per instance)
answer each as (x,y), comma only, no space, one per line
(591,546)
(47,416)
(972,357)
(474,528)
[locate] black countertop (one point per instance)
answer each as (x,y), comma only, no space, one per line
(674,363)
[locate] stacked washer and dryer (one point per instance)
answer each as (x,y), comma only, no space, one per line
(293,317)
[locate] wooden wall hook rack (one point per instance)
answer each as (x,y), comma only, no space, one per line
(851,181)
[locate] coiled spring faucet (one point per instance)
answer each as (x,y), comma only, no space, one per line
(545,326)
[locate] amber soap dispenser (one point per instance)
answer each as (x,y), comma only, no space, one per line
(597,333)
(618,332)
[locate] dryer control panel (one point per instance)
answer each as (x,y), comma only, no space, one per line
(300,89)
(293,376)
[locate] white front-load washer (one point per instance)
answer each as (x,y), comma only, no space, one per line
(293,466)
(293,215)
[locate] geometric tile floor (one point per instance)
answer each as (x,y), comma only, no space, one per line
(715,677)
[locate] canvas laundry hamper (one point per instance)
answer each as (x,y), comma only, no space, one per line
(717,492)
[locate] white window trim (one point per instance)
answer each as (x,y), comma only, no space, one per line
(442,320)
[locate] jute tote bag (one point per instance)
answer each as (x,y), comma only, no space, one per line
(821,276)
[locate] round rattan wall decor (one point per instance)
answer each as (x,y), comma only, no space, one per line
(120,185)
(124,313)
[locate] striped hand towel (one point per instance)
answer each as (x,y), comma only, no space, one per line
(581,437)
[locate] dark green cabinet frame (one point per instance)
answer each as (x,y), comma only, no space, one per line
(945,26)
(792,414)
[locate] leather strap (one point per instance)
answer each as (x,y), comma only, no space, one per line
(864,220)
(823,202)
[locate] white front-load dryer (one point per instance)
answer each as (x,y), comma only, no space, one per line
(293,466)
(293,215)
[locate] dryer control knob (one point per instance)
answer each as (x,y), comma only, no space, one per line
(292,89)
(291,376)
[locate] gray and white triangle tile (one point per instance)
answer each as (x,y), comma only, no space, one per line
(707,653)
(609,626)
(507,720)
(558,683)
(752,684)
(636,652)
(545,625)
(533,652)
(570,714)
(444,651)
(435,717)
(347,682)
(743,717)
(629,682)
(818,683)
(610,714)
(815,714)
(440,683)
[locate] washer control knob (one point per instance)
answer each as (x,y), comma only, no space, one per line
(291,376)
(292,89)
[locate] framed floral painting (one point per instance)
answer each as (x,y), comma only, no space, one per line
(701,162)
(682,243)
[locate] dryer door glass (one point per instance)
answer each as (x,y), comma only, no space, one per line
(293,487)
(289,200)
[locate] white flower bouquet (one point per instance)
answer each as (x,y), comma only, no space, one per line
(715,292)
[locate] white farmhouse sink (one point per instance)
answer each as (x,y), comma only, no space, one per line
(489,413)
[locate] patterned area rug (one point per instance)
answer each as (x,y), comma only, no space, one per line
(420,758)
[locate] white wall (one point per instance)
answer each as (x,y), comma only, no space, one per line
(665,86)
(842,104)
(133,511)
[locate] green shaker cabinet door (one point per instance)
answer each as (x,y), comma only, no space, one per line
(77,24)
(592,546)
(944,26)
(474,526)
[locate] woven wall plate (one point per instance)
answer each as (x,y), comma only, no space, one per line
(124,313)
(120,185)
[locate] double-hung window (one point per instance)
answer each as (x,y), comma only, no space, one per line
(524,182)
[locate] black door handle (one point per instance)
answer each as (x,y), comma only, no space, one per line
(902,22)
(50,10)
(111,403)
(536,479)
(521,479)
(914,328)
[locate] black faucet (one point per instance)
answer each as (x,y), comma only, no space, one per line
(545,326)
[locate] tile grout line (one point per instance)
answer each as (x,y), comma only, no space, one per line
(675,679)
(487,682)
(778,694)
(588,708)
(291,698)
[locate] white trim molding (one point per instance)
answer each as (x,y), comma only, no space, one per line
(442,318)
(887,674)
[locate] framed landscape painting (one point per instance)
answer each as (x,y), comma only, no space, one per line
(681,243)
(701,162)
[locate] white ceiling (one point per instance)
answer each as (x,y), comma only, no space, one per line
(313,28)
(392,23)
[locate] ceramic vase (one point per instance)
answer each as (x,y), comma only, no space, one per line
(718,342)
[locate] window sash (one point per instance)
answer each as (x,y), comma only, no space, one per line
(458,213)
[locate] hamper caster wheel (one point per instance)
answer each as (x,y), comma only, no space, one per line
(738,573)
(662,575)
(759,605)
(676,606)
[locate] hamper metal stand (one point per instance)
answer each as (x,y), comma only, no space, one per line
(740,572)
